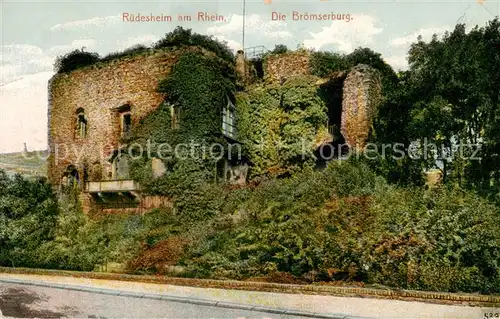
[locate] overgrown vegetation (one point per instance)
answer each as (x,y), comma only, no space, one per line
(182,36)
(178,37)
(74,60)
(198,87)
(343,223)
(279,48)
(323,63)
(280,125)
(449,101)
(359,221)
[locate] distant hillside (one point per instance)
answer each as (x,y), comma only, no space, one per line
(29,164)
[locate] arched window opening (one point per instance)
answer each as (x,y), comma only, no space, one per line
(70,179)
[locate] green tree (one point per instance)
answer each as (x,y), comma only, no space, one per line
(28,215)
(74,60)
(279,48)
(447,98)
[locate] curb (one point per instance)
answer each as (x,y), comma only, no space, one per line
(193,301)
(311,289)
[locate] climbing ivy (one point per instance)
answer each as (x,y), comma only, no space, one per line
(281,124)
(199,86)
(74,60)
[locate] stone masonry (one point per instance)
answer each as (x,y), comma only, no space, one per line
(361,92)
(100,90)
(285,65)
(361,96)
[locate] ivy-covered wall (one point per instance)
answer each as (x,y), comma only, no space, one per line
(281,125)
(199,86)
(282,117)
(99,89)
(140,81)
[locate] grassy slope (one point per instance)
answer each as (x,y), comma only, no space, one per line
(29,164)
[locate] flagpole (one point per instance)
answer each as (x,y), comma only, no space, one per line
(243,43)
(243,40)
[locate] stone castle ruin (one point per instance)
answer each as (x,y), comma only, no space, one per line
(353,95)
(91,109)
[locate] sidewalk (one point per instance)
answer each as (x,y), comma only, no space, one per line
(363,307)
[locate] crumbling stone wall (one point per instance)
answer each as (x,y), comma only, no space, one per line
(100,90)
(285,65)
(361,96)
(361,92)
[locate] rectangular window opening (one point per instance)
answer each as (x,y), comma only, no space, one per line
(175,114)
(229,120)
(126,124)
(82,126)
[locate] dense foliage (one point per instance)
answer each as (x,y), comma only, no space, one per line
(279,48)
(343,223)
(360,221)
(37,232)
(448,98)
(28,213)
(74,60)
(178,37)
(280,125)
(199,87)
(323,63)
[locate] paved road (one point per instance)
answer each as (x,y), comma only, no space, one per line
(21,301)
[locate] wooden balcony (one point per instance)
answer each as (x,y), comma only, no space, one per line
(113,186)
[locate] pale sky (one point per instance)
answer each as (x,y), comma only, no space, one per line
(34,33)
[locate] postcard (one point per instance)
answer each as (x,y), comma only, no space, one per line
(250,159)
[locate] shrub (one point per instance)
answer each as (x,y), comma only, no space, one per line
(324,63)
(74,60)
(28,214)
(443,230)
(279,48)
(132,51)
(180,36)
(77,59)
(78,243)
(342,223)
